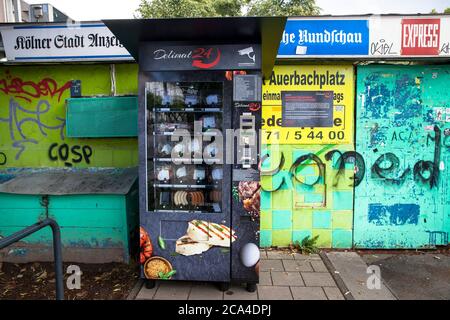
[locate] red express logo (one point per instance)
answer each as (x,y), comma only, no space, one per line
(420,36)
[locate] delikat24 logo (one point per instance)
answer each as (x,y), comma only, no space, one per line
(420,36)
(205,58)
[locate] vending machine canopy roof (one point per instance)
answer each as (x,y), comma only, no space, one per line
(230,30)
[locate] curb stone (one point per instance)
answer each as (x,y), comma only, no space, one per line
(337,278)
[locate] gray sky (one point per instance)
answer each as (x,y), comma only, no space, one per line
(123,9)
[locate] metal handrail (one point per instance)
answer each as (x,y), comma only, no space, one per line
(57,250)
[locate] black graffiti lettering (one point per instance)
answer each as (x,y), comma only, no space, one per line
(381,48)
(434,173)
(307,158)
(3,159)
(445,48)
(386,167)
(402,136)
(423,171)
(77,154)
(63,152)
(87,152)
(51,155)
(348,157)
(70,155)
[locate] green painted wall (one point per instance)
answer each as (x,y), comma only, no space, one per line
(33,135)
(33,116)
(398,205)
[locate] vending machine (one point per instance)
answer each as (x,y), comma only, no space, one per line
(199,134)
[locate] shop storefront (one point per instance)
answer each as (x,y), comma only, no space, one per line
(370,172)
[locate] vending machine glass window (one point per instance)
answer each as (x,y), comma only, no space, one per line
(184,155)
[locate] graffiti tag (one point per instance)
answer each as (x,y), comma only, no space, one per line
(3,159)
(28,90)
(33,116)
(69,155)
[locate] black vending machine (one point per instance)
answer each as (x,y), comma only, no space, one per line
(200,106)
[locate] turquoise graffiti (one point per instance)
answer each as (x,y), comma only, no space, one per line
(402,133)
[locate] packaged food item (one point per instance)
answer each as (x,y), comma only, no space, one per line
(197,198)
(181,172)
(163,173)
(164,150)
(215,196)
(217,174)
(180,198)
(212,99)
(208,121)
(164,198)
(199,174)
(181,149)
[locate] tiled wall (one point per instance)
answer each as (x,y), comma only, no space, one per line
(296,210)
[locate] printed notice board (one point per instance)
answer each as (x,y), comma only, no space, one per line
(307,108)
(308,104)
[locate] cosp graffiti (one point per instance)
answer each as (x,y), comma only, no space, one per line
(70,155)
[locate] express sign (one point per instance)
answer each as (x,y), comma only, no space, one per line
(420,36)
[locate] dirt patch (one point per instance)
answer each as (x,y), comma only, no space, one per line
(36,281)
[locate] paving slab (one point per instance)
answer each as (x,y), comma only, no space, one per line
(271,265)
(333,293)
(309,257)
(263,254)
(147,294)
(318,279)
(297,265)
(205,291)
(319,266)
(308,293)
(171,290)
(284,278)
(240,293)
(265,278)
(274,293)
(280,255)
(353,271)
(414,276)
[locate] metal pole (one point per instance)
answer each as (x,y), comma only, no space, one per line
(57,249)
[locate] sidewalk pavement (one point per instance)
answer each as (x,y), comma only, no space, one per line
(355,274)
(283,276)
(414,275)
